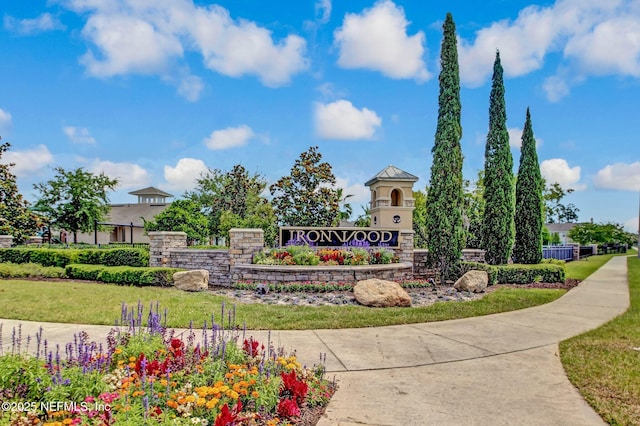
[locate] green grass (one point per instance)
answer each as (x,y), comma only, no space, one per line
(92,303)
(603,363)
(581,269)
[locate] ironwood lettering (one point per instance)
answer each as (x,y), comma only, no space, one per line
(339,237)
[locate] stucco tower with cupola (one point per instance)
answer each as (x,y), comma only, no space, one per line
(392,201)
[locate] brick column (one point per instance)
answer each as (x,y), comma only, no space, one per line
(161,243)
(243,244)
(6,241)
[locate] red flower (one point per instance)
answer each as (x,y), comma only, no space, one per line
(288,408)
(228,417)
(292,387)
(250,347)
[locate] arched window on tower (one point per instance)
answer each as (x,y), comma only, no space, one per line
(396,198)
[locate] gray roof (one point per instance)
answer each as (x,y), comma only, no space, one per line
(125,214)
(560,227)
(391,173)
(151,191)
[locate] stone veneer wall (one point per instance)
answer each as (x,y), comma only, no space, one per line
(347,274)
(6,241)
(422,271)
(243,244)
(227,266)
(161,243)
(217,262)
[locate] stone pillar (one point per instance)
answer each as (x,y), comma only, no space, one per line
(34,239)
(243,244)
(161,243)
(6,241)
(575,251)
(405,246)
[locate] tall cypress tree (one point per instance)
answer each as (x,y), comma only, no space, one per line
(498,227)
(445,200)
(529,201)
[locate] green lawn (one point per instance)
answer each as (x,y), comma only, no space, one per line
(92,303)
(604,364)
(581,269)
(95,303)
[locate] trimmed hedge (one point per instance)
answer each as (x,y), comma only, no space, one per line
(491,270)
(123,275)
(64,257)
(30,270)
(527,274)
(517,273)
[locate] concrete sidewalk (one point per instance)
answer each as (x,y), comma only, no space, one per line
(500,369)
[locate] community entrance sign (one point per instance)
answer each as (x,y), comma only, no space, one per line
(336,237)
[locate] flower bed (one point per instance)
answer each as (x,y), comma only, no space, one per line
(307,256)
(147,375)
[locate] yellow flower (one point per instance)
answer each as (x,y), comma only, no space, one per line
(212,403)
(132,359)
(118,351)
(201,401)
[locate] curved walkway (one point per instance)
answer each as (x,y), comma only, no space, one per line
(499,369)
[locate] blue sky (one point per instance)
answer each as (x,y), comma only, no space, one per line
(154,92)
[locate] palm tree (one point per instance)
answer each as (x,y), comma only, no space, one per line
(347,210)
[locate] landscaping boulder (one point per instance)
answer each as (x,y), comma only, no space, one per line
(473,281)
(380,293)
(195,280)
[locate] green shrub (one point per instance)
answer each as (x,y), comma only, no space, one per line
(125,257)
(527,274)
(137,276)
(553,261)
(57,257)
(90,256)
(491,270)
(14,255)
(78,271)
(30,270)
(61,257)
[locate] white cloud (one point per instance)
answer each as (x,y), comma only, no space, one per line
(44,22)
(128,44)
(515,138)
(28,161)
(377,39)
(556,88)
(558,170)
(341,120)
(619,176)
(323,10)
(230,137)
(236,49)
(190,87)
(79,135)
(134,37)
(360,194)
(183,176)
(129,175)
(594,38)
(611,47)
(5,120)
(522,45)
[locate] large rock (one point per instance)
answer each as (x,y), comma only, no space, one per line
(473,281)
(195,280)
(380,293)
